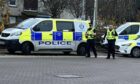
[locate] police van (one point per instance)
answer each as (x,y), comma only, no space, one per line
(130,48)
(39,34)
(127,31)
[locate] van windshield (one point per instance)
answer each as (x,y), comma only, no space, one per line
(27,23)
(121,27)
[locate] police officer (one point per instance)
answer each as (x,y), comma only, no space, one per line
(110,36)
(90,35)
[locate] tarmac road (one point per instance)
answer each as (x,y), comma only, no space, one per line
(53,68)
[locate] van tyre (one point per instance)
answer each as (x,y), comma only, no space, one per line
(135,52)
(26,48)
(81,51)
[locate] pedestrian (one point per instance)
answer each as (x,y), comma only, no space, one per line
(90,35)
(110,35)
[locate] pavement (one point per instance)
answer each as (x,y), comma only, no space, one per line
(56,68)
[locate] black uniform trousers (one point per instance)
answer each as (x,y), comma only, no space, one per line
(111,48)
(91,45)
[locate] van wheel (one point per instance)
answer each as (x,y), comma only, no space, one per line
(26,48)
(11,51)
(81,50)
(66,52)
(135,52)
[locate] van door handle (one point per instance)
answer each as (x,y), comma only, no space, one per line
(50,34)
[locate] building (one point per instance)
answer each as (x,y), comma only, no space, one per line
(19,10)
(22,9)
(18,7)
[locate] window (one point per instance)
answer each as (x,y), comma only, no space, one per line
(12,2)
(31,4)
(61,25)
(44,26)
(134,29)
(12,20)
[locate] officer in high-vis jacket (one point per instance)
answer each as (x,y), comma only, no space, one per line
(90,35)
(110,35)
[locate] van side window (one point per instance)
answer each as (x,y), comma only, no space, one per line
(62,25)
(134,29)
(43,26)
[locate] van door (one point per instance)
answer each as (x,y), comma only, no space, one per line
(64,34)
(130,33)
(42,35)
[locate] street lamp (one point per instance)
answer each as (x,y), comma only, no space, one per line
(95,13)
(83,9)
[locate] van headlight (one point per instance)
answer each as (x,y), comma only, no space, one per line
(16,34)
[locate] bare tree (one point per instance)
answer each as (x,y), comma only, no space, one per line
(55,7)
(126,9)
(89,9)
(117,10)
(75,7)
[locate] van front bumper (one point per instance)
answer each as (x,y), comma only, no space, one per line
(12,44)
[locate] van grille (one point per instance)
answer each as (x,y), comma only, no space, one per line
(5,34)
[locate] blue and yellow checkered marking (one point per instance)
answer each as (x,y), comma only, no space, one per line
(138,44)
(77,36)
(36,36)
(124,37)
(32,36)
(57,36)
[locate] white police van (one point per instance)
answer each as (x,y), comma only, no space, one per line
(127,31)
(37,34)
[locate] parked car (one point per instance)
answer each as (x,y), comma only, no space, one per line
(127,31)
(129,48)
